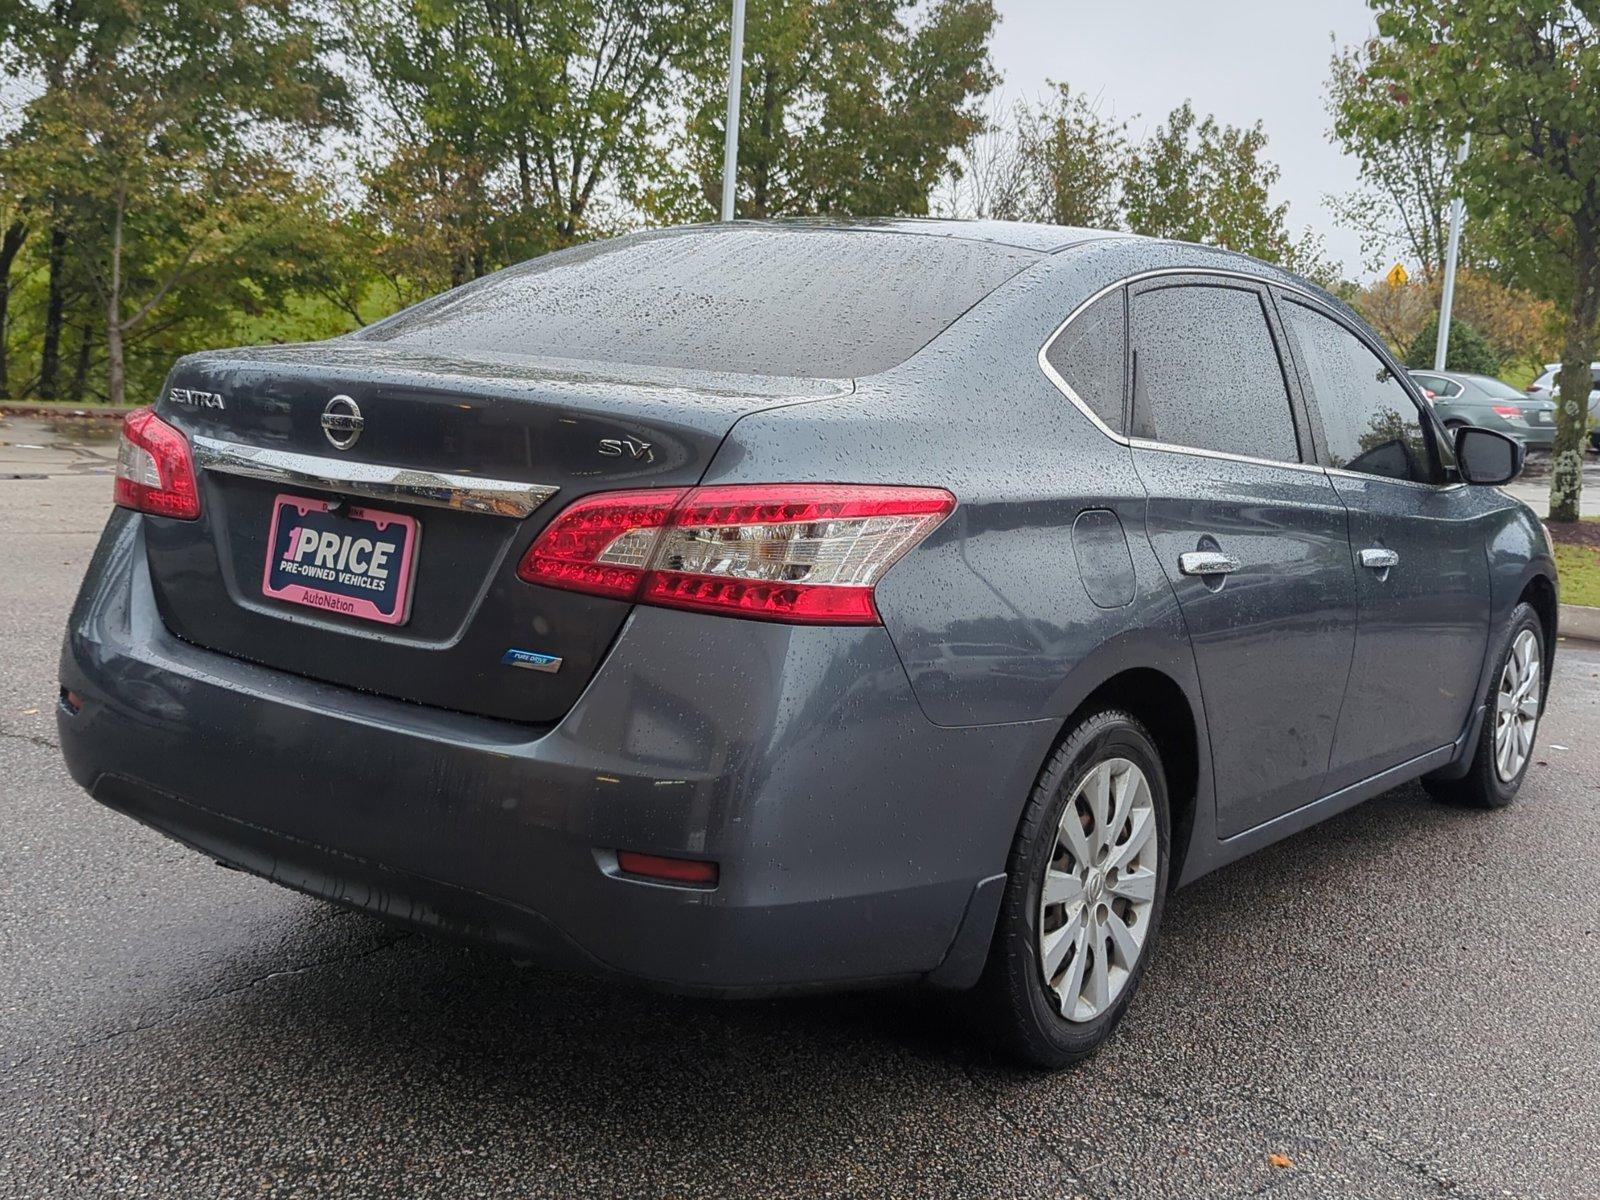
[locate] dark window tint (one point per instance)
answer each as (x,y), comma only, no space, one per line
(1205,373)
(1090,355)
(1370,421)
(809,302)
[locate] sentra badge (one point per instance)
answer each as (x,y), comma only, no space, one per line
(190,398)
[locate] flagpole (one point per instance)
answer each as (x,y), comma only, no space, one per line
(1458,216)
(730,152)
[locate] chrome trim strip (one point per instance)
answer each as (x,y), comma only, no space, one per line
(376,481)
(1201,452)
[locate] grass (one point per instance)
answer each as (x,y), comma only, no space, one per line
(1578,565)
(1579,568)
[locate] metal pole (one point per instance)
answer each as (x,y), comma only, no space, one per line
(1458,215)
(730,152)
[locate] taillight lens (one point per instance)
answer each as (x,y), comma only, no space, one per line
(1510,411)
(155,473)
(801,553)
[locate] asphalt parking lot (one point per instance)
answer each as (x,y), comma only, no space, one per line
(1404,1002)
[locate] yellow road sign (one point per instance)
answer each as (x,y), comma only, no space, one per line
(1397,276)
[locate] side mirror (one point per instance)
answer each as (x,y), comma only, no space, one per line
(1488,457)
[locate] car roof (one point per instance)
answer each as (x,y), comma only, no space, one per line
(1023,235)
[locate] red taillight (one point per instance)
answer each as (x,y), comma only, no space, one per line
(1508,410)
(670,870)
(800,553)
(155,473)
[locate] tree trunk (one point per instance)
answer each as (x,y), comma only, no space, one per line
(15,234)
(55,303)
(1576,380)
(116,372)
(80,370)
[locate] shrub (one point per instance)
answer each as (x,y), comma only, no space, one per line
(1468,351)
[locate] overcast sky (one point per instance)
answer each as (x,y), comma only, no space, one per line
(1243,60)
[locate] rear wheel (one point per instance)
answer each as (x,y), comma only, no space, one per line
(1510,728)
(1087,880)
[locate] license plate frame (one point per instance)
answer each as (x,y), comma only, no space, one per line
(292,573)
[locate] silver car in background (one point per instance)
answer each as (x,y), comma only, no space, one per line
(1547,387)
(1460,399)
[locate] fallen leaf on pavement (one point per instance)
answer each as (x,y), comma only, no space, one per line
(1280,1160)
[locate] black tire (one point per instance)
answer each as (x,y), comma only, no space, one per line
(1481,786)
(1024,1011)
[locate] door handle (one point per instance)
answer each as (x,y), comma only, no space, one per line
(1379,558)
(1207,562)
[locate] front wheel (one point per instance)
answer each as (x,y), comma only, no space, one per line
(1087,880)
(1511,726)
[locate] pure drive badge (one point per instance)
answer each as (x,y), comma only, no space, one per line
(531,660)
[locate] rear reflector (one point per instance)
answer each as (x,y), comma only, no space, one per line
(155,473)
(671,870)
(799,553)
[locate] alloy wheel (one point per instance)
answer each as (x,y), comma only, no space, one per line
(1099,889)
(1517,706)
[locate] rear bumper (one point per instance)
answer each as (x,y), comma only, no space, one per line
(854,837)
(1536,437)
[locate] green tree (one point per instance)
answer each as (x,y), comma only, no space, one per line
(503,127)
(847,106)
(1077,157)
(1407,179)
(1469,351)
(1199,181)
(1524,80)
(166,155)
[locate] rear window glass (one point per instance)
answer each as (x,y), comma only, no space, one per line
(1090,355)
(1497,389)
(1207,374)
(802,302)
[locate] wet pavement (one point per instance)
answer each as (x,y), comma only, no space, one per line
(1400,1003)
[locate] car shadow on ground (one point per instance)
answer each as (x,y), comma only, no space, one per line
(397,1059)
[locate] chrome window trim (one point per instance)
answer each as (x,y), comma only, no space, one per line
(1410,483)
(1202,452)
(376,481)
(1317,304)
(1065,388)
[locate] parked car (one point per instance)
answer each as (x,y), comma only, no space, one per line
(1460,399)
(762,607)
(1548,387)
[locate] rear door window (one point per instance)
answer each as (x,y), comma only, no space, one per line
(1206,372)
(1370,423)
(1090,357)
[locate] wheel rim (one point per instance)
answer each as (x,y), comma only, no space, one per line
(1099,889)
(1516,715)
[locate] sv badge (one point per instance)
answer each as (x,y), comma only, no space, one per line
(627,448)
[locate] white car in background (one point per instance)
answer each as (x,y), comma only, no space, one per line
(1544,388)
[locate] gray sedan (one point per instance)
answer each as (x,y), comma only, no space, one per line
(764,607)
(1460,399)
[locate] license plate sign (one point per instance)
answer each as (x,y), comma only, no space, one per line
(358,562)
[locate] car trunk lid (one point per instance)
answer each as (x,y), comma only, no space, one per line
(478,454)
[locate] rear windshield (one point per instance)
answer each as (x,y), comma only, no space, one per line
(809,302)
(1497,389)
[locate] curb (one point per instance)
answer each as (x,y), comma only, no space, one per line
(81,412)
(1579,621)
